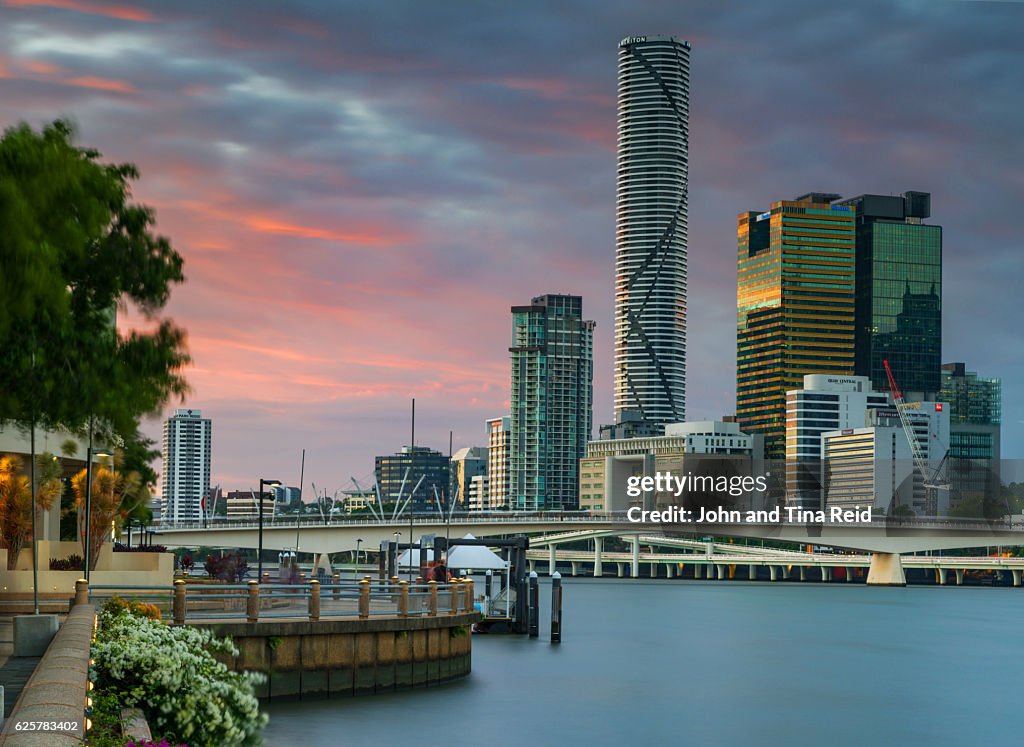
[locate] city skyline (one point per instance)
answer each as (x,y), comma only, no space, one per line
(361,193)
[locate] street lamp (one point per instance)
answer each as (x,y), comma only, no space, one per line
(90,453)
(398,546)
(355,571)
(259,551)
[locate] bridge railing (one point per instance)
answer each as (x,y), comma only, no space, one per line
(548,517)
(200,602)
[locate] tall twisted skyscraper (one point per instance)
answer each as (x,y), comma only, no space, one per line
(650,229)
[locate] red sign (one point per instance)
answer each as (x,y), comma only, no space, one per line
(938,406)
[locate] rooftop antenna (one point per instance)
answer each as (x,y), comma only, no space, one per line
(302,473)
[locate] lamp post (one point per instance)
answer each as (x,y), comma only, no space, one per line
(398,546)
(355,571)
(90,453)
(259,551)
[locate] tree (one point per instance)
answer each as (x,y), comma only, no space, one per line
(16,501)
(109,490)
(74,249)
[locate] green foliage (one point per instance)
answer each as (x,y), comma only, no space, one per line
(73,248)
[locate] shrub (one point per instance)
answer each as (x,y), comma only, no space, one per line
(121,547)
(172,675)
(120,605)
(226,567)
(71,563)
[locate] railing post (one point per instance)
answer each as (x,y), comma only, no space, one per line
(470,598)
(314,600)
(403,598)
(433,598)
(252,604)
(337,585)
(81,591)
(178,609)
(364,598)
(456,588)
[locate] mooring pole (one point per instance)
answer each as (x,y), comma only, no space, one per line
(556,607)
(534,609)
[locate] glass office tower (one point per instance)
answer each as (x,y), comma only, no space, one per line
(795,307)
(899,292)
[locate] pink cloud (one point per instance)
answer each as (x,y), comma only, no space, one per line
(120,12)
(100,84)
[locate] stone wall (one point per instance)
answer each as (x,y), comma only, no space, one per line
(340,658)
(57,689)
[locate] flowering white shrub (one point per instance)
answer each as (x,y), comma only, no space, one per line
(171,674)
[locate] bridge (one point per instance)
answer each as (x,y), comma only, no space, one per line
(884,539)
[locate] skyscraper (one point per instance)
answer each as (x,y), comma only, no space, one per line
(552,401)
(795,307)
(651,227)
(186,466)
(899,292)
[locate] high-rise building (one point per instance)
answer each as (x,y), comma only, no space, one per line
(499,433)
(651,228)
(466,464)
(795,306)
(975,415)
(826,403)
(552,401)
(414,471)
(899,292)
(185,474)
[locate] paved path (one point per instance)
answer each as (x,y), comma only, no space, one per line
(14,671)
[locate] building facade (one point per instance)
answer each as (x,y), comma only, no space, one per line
(185,474)
(795,306)
(826,403)
(499,434)
(242,504)
(975,414)
(868,467)
(898,482)
(609,464)
(466,464)
(552,401)
(651,228)
(414,471)
(899,292)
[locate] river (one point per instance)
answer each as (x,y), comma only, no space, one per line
(692,662)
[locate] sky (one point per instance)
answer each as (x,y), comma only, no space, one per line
(361,191)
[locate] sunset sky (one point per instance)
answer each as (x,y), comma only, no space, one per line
(362,190)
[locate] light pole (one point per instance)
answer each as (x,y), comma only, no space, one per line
(355,571)
(88,504)
(259,551)
(398,542)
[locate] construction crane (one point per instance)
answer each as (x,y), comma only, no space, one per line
(932,478)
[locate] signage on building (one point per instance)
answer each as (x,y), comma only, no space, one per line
(632,40)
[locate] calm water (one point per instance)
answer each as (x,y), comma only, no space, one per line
(648,662)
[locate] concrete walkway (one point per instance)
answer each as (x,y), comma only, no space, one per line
(14,671)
